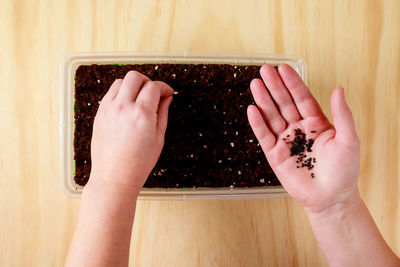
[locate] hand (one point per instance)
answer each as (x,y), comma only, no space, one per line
(129,129)
(288,105)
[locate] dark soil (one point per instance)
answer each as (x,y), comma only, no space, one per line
(208,143)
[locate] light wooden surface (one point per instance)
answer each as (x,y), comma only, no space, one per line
(355,44)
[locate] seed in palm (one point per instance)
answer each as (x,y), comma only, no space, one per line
(299,147)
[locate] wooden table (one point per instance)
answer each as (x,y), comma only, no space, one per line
(355,44)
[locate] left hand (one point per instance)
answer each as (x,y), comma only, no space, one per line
(129,129)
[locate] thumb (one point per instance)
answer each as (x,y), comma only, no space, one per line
(342,118)
(162,113)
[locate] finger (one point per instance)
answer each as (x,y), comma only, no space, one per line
(113,91)
(131,86)
(162,114)
(304,100)
(264,136)
(342,118)
(151,92)
(267,107)
(280,94)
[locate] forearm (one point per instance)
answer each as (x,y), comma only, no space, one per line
(103,232)
(348,236)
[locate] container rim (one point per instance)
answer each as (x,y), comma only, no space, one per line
(67,72)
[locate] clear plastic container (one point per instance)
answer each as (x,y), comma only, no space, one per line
(66,124)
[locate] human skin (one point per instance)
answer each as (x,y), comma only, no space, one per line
(340,220)
(128,135)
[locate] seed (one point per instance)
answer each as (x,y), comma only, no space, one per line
(299,147)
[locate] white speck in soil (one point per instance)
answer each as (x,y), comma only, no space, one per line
(174,75)
(234,75)
(237,133)
(98,81)
(229,159)
(200,134)
(205,146)
(251,141)
(84,161)
(239,172)
(194,81)
(262,180)
(220,161)
(225,133)
(191,155)
(215,107)
(232,144)
(235,67)
(88,104)
(156,67)
(176,92)
(185,70)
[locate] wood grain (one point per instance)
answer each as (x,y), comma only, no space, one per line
(355,44)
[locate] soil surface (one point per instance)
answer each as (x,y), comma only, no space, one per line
(208,143)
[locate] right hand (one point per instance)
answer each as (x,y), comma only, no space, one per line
(287,105)
(129,129)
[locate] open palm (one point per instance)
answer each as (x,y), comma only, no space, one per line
(287,105)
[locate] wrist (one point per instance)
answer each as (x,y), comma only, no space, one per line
(347,204)
(113,190)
